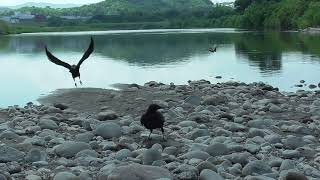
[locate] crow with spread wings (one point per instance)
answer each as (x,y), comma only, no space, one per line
(73,69)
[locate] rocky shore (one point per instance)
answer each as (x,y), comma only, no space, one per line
(213,132)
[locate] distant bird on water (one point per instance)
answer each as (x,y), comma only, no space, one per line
(213,50)
(153,119)
(73,69)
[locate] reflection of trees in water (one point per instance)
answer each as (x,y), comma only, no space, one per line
(4,41)
(260,51)
(265,50)
(143,49)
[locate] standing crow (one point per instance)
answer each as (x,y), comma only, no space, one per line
(74,69)
(153,119)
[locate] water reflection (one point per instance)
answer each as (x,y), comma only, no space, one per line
(281,59)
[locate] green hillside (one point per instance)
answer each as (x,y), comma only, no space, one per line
(115,7)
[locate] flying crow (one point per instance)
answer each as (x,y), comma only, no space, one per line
(73,69)
(213,50)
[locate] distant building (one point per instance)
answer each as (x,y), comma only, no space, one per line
(19,17)
(228,4)
(24,17)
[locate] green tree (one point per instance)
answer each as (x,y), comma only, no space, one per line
(55,21)
(4,28)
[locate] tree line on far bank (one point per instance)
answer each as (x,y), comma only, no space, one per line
(247,14)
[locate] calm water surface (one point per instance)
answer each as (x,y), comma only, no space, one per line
(280,59)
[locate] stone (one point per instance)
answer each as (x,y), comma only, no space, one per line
(8,135)
(197,155)
(186,172)
(60,106)
(217,149)
(48,124)
(139,172)
(208,174)
(198,133)
(234,127)
(9,154)
(87,153)
(84,137)
(70,148)
(108,130)
(291,154)
(194,100)
(206,165)
(13,167)
(295,176)
(188,124)
(36,154)
(122,154)
(241,158)
(64,176)
(151,155)
(273,139)
(170,150)
(260,123)
(287,164)
(259,178)
(293,142)
(107,115)
(256,167)
(32,177)
(215,100)
(312,86)
(275,109)
(253,132)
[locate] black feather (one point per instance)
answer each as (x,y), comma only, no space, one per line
(153,119)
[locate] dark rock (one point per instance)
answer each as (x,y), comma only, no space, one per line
(295,176)
(61,106)
(312,86)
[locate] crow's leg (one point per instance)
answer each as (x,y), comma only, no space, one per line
(163,138)
(150,134)
(80,80)
(75,82)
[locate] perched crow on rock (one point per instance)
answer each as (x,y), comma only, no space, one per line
(153,119)
(74,69)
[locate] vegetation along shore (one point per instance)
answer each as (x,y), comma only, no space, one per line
(155,14)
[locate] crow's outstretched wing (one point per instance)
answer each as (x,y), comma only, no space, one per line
(55,60)
(87,53)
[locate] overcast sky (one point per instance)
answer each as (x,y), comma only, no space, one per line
(17,2)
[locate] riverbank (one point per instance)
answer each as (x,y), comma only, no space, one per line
(34,28)
(311,30)
(213,131)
